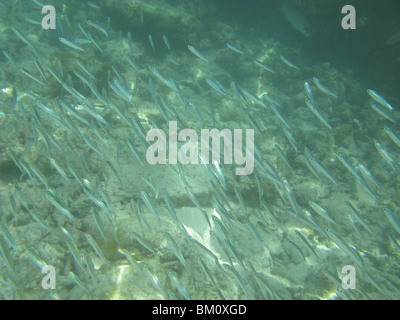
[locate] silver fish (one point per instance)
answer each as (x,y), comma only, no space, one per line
(323,89)
(197,53)
(378,98)
(384,154)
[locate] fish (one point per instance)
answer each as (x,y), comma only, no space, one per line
(95,247)
(290,197)
(255,233)
(215,86)
(207,270)
(321,169)
(260,188)
(306,243)
(197,53)
(21,37)
(175,249)
(71,44)
(59,169)
(356,215)
(381,112)
(240,198)
(166,42)
(164,80)
(263,66)
(80,284)
(234,48)
(378,98)
(134,152)
(154,280)
(143,242)
(149,204)
(75,253)
(323,88)
(56,201)
(151,41)
(321,211)
(279,115)
(288,63)
(303,258)
(131,260)
(197,204)
(384,154)
(309,93)
(36,258)
(367,174)
(92,146)
(346,248)
(252,97)
(348,166)
(8,236)
(297,20)
(97,27)
(182,290)
(290,137)
(282,155)
(392,136)
(392,220)
(99,223)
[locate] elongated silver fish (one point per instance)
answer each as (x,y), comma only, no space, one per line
(384,154)
(166,42)
(234,48)
(282,155)
(279,115)
(255,233)
(381,113)
(95,247)
(215,86)
(378,98)
(346,248)
(151,41)
(290,137)
(59,169)
(290,197)
(309,93)
(288,63)
(323,89)
(392,136)
(356,215)
(98,27)
(263,66)
(143,242)
(306,243)
(197,53)
(56,201)
(348,166)
(392,220)
(71,44)
(321,169)
(317,114)
(149,204)
(179,285)
(367,174)
(175,249)
(321,211)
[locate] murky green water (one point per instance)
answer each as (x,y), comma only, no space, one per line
(80,197)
